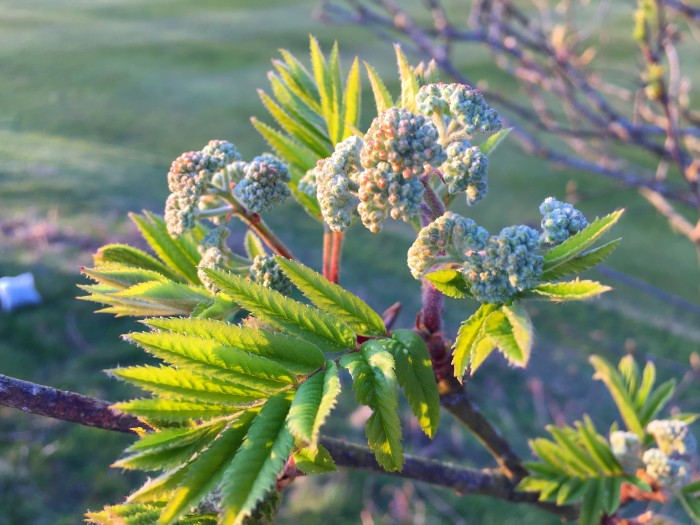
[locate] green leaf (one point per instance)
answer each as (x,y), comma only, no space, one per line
(593,503)
(374,383)
(382,97)
(253,245)
(125,255)
(221,306)
(499,331)
(657,401)
(409,82)
(645,388)
(576,244)
(691,488)
(213,359)
(352,99)
(521,328)
(489,145)
(297,107)
(331,298)
(295,354)
(206,470)
(335,121)
(572,453)
(598,447)
(121,277)
(121,306)
(182,297)
(172,410)
(414,373)
(481,350)
(691,506)
(582,262)
(449,282)
(324,82)
(469,335)
(571,491)
(611,501)
(575,290)
(315,399)
(606,373)
(301,78)
(257,463)
(172,252)
(314,460)
(300,320)
(286,147)
(188,386)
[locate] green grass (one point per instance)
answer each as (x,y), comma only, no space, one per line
(97,99)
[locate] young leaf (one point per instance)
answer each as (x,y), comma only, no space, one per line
(374,383)
(257,463)
(179,296)
(449,282)
(352,99)
(468,337)
(207,469)
(593,503)
(606,373)
(576,244)
(382,97)
(171,251)
(658,399)
(582,262)
(122,277)
(489,145)
(575,290)
(409,82)
(521,328)
(331,298)
(314,460)
(312,404)
(300,320)
(691,505)
(125,255)
(172,410)
(414,372)
(286,147)
(294,354)
(324,82)
(253,245)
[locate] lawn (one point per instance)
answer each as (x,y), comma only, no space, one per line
(98,97)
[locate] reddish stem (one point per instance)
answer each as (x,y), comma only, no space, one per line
(336,255)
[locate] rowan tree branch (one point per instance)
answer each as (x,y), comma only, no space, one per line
(70,406)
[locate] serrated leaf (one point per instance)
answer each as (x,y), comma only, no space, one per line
(606,373)
(172,252)
(571,491)
(630,373)
(312,404)
(382,97)
(585,261)
(611,500)
(593,502)
(221,306)
(143,514)
(691,506)
(253,245)
(597,447)
(188,386)
(449,282)
(208,468)
(414,373)
(352,99)
(171,410)
(123,306)
(573,454)
(331,298)
(257,463)
(521,327)
(490,144)
(409,82)
(657,401)
(314,460)
(182,297)
(498,329)
(322,77)
(297,107)
(121,277)
(576,244)
(469,335)
(171,448)
(575,290)
(300,320)
(286,147)
(480,351)
(216,360)
(129,256)
(336,122)
(374,384)
(691,488)
(302,79)
(646,386)
(295,354)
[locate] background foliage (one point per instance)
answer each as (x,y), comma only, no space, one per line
(97,101)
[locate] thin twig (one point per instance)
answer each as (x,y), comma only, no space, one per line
(336,257)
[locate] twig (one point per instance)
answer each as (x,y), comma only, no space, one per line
(69,406)
(336,256)
(327,243)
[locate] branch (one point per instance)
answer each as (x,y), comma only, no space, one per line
(76,408)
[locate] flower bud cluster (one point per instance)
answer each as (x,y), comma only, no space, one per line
(673,437)
(307,184)
(459,102)
(466,169)
(509,263)
(264,184)
(627,449)
(334,184)
(222,152)
(672,474)
(560,221)
(447,239)
(399,148)
(187,180)
(213,250)
(267,272)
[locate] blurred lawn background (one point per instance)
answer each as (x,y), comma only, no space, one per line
(96,99)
